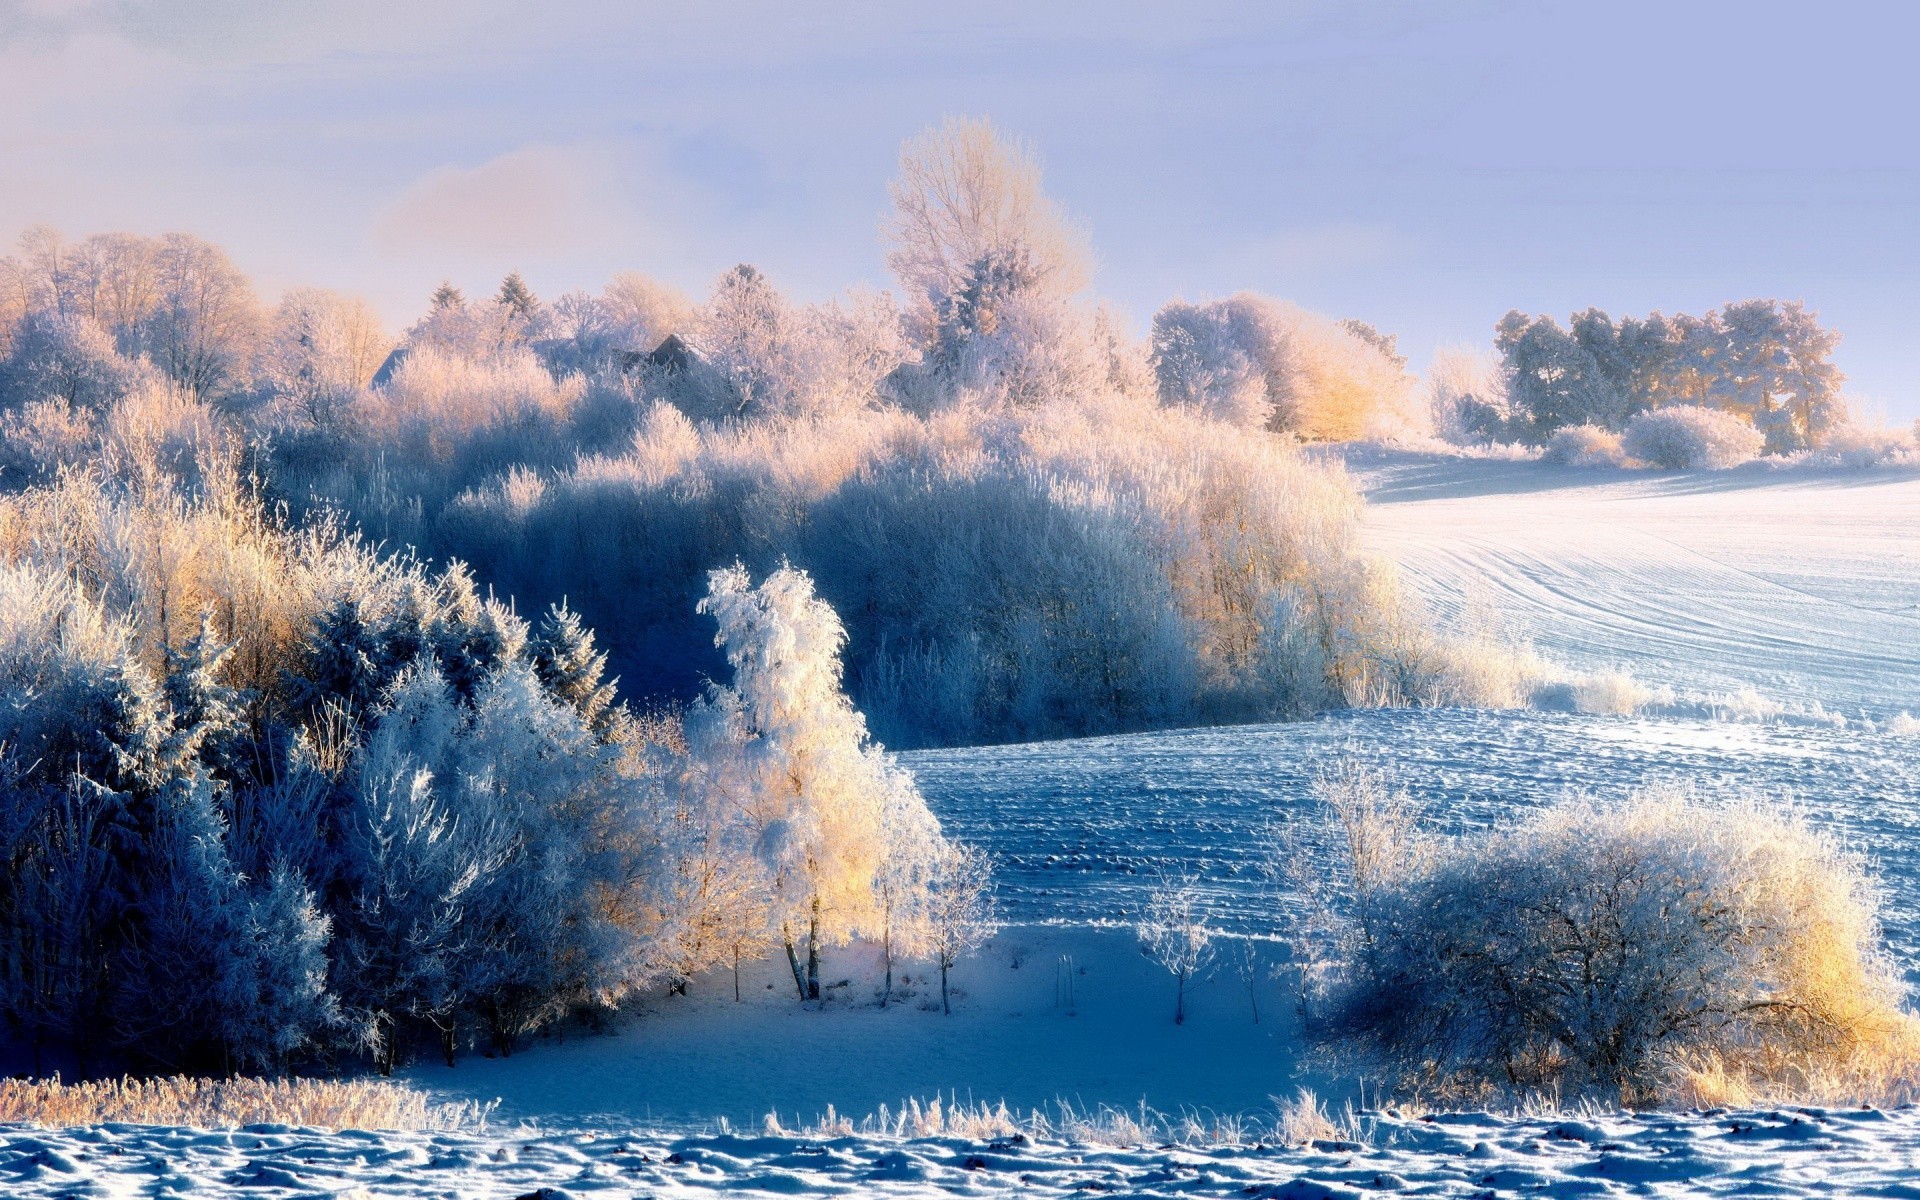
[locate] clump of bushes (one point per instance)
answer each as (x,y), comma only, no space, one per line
(1690,437)
(1585,446)
(1636,951)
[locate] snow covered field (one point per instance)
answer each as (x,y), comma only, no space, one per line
(1803,584)
(1776,1153)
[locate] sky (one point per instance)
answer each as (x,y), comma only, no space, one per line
(1422,166)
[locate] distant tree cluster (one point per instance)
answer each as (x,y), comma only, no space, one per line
(1764,362)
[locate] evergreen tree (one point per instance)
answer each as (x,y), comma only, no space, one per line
(517,298)
(572,669)
(343,662)
(209,716)
(272,995)
(446,297)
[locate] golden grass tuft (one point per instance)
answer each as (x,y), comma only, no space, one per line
(215,1103)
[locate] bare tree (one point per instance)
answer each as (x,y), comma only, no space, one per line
(208,321)
(961,911)
(1175,934)
(1250,967)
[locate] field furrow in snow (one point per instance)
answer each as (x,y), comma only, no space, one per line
(1082,829)
(1804,585)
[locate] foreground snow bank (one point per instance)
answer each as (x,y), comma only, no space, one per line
(1801,1152)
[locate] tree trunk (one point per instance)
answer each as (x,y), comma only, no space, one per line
(813,951)
(886,952)
(447,1042)
(793,960)
(736,972)
(946,1007)
(383,1048)
(1180,999)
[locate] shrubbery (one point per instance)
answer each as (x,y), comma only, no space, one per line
(1610,949)
(268,796)
(1585,446)
(1690,437)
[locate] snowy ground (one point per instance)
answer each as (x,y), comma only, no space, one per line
(1796,1153)
(1804,584)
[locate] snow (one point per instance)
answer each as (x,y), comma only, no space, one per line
(688,1060)
(1802,583)
(1800,1152)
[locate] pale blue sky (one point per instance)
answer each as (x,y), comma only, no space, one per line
(1425,166)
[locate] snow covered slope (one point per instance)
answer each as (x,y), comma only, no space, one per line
(1804,584)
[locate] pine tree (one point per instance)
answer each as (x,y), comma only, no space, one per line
(572,669)
(517,298)
(446,297)
(344,660)
(209,716)
(272,994)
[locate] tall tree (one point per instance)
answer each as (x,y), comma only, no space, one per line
(966,195)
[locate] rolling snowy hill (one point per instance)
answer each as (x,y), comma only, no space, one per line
(1803,584)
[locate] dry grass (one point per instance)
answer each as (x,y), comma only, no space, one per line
(1302,1119)
(1295,1122)
(211,1103)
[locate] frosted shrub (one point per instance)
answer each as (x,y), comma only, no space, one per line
(39,439)
(1615,692)
(1585,446)
(1857,444)
(1689,437)
(438,401)
(1604,948)
(1255,361)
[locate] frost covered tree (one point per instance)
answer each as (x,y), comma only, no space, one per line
(1554,381)
(1770,362)
(1174,933)
(1261,363)
(207,324)
(910,862)
(413,862)
(967,199)
(572,668)
(961,913)
(798,759)
(643,312)
(64,357)
(322,348)
(517,299)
